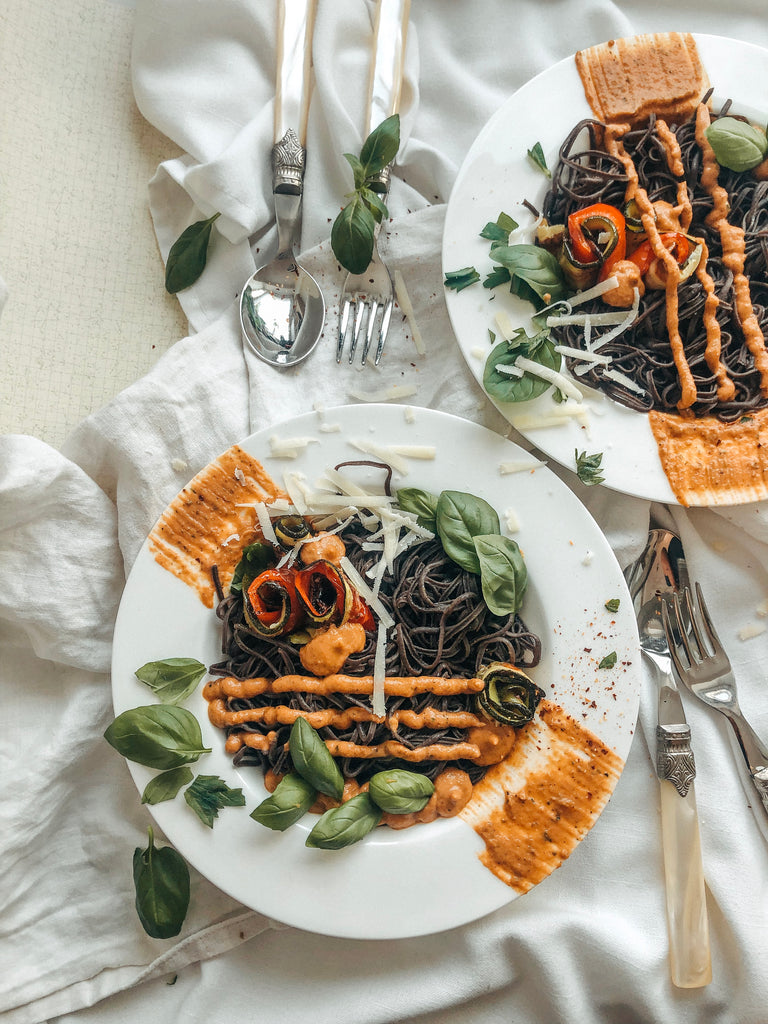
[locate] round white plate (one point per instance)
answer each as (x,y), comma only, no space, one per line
(427,878)
(497,176)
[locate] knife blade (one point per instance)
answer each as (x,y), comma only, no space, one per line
(659,572)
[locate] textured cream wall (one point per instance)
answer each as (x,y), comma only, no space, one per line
(87,313)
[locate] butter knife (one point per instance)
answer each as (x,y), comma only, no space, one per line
(658,571)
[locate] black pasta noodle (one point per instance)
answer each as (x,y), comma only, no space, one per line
(585,174)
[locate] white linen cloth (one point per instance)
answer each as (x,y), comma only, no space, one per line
(587,944)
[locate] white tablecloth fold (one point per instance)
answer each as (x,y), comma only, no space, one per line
(590,942)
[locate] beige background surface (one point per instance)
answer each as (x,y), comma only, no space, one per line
(87,312)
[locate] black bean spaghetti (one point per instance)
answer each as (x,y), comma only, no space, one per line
(443,628)
(587,174)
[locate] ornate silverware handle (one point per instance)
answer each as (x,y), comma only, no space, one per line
(296,19)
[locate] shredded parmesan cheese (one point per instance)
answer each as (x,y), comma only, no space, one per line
(576,353)
(750,631)
(551,376)
(289,447)
(262,514)
(404,301)
(392,393)
(519,466)
(378,701)
(365,591)
(627,382)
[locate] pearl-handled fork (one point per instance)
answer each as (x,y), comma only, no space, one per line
(367,299)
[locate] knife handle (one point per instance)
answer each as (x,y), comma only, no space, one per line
(687,923)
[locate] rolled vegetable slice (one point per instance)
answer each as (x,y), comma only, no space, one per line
(323,592)
(271,604)
(596,239)
(509,695)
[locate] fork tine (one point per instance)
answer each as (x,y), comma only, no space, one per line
(714,639)
(342,329)
(695,620)
(383,332)
(360,307)
(678,639)
(373,310)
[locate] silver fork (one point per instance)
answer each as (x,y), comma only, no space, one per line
(703,667)
(366,300)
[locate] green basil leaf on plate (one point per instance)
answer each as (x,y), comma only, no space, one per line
(313,761)
(506,388)
(172,680)
(159,736)
(736,144)
(290,801)
(399,791)
(460,518)
(420,503)
(208,794)
(161,881)
(166,785)
(536,276)
(346,824)
(503,573)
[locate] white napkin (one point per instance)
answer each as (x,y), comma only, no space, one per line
(590,942)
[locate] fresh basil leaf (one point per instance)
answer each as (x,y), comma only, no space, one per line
(609,660)
(208,794)
(172,680)
(400,792)
(588,467)
(381,146)
(159,736)
(613,604)
(460,517)
(374,203)
(536,155)
(506,388)
(503,573)
(460,279)
(165,786)
(357,169)
(535,273)
(346,824)
(352,236)
(254,560)
(737,144)
(291,799)
(496,277)
(500,229)
(188,255)
(161,881)
(312,759)
(420,503)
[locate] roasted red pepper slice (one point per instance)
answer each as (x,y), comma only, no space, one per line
(361,612)
(271,604)
(675,242)
(322,591)
(585,228)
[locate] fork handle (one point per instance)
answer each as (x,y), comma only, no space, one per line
(755,756)
(687,922)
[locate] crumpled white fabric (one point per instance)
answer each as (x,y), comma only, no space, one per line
(590,942)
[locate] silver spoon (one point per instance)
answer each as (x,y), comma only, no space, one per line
(282,310)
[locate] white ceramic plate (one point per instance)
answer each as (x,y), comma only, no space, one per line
(426,878)
(497,176)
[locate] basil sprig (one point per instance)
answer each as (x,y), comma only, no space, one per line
(505,387)
(166,785)
(346,824)
(536,156)
(291,799)
(161,881)
(208,794)
(159,736)
(188,255)
(400,792)
(533,273)
(354,229)
(736,144)
(172,680)
(313,761)
(468,528)
(588,467)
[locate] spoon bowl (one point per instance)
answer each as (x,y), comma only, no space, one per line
(282,312)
